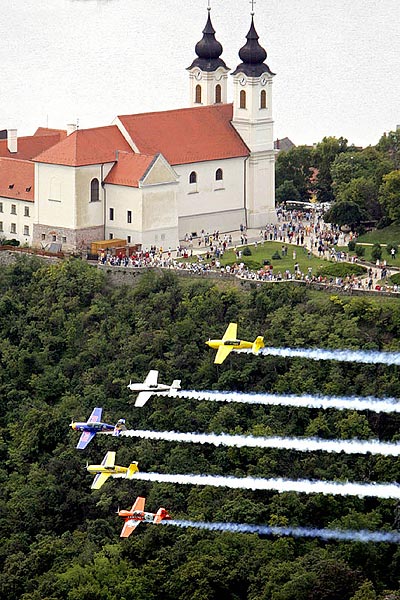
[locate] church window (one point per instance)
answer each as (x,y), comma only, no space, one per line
(94,190)
(218,94)
(111,214)
(13,209)
(26,229)
(13,228)
(198,94)
(219,175)
(193,177)
(263,99)
(129,216)
(26,211)
(242,99)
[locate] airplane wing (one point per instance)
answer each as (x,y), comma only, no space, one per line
(139,503)
(129,526)
(109,460)
(142,398)
(85,438)
(231,332)
(222,353)
(151,378)
(99,480)
(95,417)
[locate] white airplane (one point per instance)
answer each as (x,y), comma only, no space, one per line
(150,387)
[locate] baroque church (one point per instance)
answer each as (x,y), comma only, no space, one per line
(151,178)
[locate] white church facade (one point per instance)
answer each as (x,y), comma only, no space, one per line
(151,178)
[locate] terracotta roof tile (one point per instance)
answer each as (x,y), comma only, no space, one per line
(30,146)
(47,131)
(86,147)
(20,175)
(187,135)
(129,169)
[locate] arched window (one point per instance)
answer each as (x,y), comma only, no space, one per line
(198,94)
(242,99)
(94,190)
(193,177)
(218,94)
(263,99)
(219,175)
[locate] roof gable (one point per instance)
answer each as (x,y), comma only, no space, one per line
(135,170)
(30,146)
(17,179)
(186,135)
(86,147)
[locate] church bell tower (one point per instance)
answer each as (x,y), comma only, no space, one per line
(208,74)
(252,118)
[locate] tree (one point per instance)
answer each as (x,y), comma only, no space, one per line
(287,191)
(296,166)
(344,213)
(325,154)
(389,145)
(389,195)
(376,252)
(364,192)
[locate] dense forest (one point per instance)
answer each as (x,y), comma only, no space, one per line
(70,342)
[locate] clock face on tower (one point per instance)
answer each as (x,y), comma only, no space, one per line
(263,80)
(242,80)
(197,75)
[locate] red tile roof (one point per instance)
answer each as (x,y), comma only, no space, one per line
(187,135)
(20,175)
(86,147)
(47,131)
(129,169)
(30,146)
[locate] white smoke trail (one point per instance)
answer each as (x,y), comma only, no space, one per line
(349,535)
(371,357)
(386,405)
(377,490)
(300,444)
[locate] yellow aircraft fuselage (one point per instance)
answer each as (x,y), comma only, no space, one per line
(237,344)
(110,470)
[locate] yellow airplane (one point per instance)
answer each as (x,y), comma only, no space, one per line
(108,468)
(230,342)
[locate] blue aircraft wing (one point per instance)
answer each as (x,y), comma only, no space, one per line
(85,438)
(95,417)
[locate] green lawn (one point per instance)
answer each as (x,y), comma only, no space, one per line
(388,235)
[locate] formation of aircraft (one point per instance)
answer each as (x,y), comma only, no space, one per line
(151,386)
(138,515)
(230,342)
(108,468)
(94,425)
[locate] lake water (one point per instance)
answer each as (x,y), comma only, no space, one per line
(337,63)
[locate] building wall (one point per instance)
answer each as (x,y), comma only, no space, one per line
(210,204)
(12,226)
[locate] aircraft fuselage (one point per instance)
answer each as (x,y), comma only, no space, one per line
(97,427)
(237,344)
(102,469)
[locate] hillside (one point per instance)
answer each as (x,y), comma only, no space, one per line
(69,343)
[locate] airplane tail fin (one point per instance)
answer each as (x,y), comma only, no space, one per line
(161,515)
(258,344)
(176,384)
(119,426)
(132,469)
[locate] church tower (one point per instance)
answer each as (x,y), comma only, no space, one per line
(252,118)
(208,74)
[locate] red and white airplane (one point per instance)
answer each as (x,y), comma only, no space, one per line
(137,515)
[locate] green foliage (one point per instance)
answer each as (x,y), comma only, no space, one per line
(341,269)
(344,213)
(325,154)
(293,172)
(276,256)
(360,251)
(376,252)
(351,245)
(69,342)
(246,251)
(286,192)
(389,195)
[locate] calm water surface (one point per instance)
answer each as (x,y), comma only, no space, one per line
(337,62)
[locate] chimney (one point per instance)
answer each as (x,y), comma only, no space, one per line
(71,127)
(12,140)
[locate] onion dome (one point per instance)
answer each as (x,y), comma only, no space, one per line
(208,50)
(253,56)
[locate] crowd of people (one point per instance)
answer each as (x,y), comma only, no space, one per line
(298,231)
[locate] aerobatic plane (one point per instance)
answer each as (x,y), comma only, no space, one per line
(150,387)
(108,468)
(137,515)
(94,425)
(230,342)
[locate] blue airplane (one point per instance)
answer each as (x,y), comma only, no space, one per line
(94,425)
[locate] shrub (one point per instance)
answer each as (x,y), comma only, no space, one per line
(340,269)
(246,251)
(360,251)
(351,245)
(276,255)
(384,222)
(376,252)
(395,278)
(12,242)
